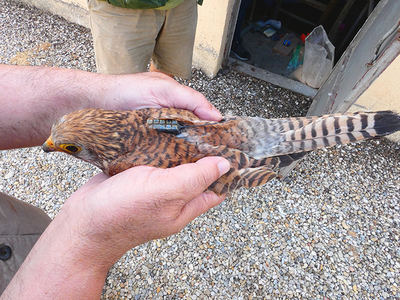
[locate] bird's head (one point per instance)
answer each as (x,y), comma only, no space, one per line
(93,135)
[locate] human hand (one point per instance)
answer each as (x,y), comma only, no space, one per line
(141,204)
(28,113)
(154,89)
(107,217)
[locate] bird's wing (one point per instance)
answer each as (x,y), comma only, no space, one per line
(180,115)
(155,143)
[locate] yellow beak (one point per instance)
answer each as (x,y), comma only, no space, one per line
(48,146)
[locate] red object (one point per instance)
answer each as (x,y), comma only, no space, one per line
(303,37)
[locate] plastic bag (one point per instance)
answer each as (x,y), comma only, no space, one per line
(318,58)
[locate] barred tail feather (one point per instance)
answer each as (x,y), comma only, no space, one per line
(248,177)
(331,130)
(386,122)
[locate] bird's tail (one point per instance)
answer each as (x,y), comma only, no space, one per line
(311,133)
(270,144)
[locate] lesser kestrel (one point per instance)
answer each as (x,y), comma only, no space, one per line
(256,148)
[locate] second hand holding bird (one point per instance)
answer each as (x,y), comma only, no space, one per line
(145,203)
(156,90)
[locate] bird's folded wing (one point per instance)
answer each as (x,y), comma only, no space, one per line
(180,115)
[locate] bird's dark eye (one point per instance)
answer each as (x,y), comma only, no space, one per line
(72,149)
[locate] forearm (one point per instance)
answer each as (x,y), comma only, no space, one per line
(32,98)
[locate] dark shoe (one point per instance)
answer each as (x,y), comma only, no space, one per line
(239,52)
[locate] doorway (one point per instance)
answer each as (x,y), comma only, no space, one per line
(269,36)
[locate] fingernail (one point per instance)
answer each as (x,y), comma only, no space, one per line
(217,114)
(210,114)
(223,167)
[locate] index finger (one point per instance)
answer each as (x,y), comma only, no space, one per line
(196,102)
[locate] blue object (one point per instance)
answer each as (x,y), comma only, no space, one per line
(274,23)
(287,43)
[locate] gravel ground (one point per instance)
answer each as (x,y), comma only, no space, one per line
(329,231)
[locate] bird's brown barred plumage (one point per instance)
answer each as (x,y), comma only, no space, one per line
(256,148)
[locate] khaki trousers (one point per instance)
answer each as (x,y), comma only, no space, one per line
(21,224)
(126,39)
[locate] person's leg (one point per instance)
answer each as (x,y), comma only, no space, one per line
(123,38)
(174,48)
(153,68)
(21,224)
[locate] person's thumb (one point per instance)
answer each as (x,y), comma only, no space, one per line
(203,174)
(188,181)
